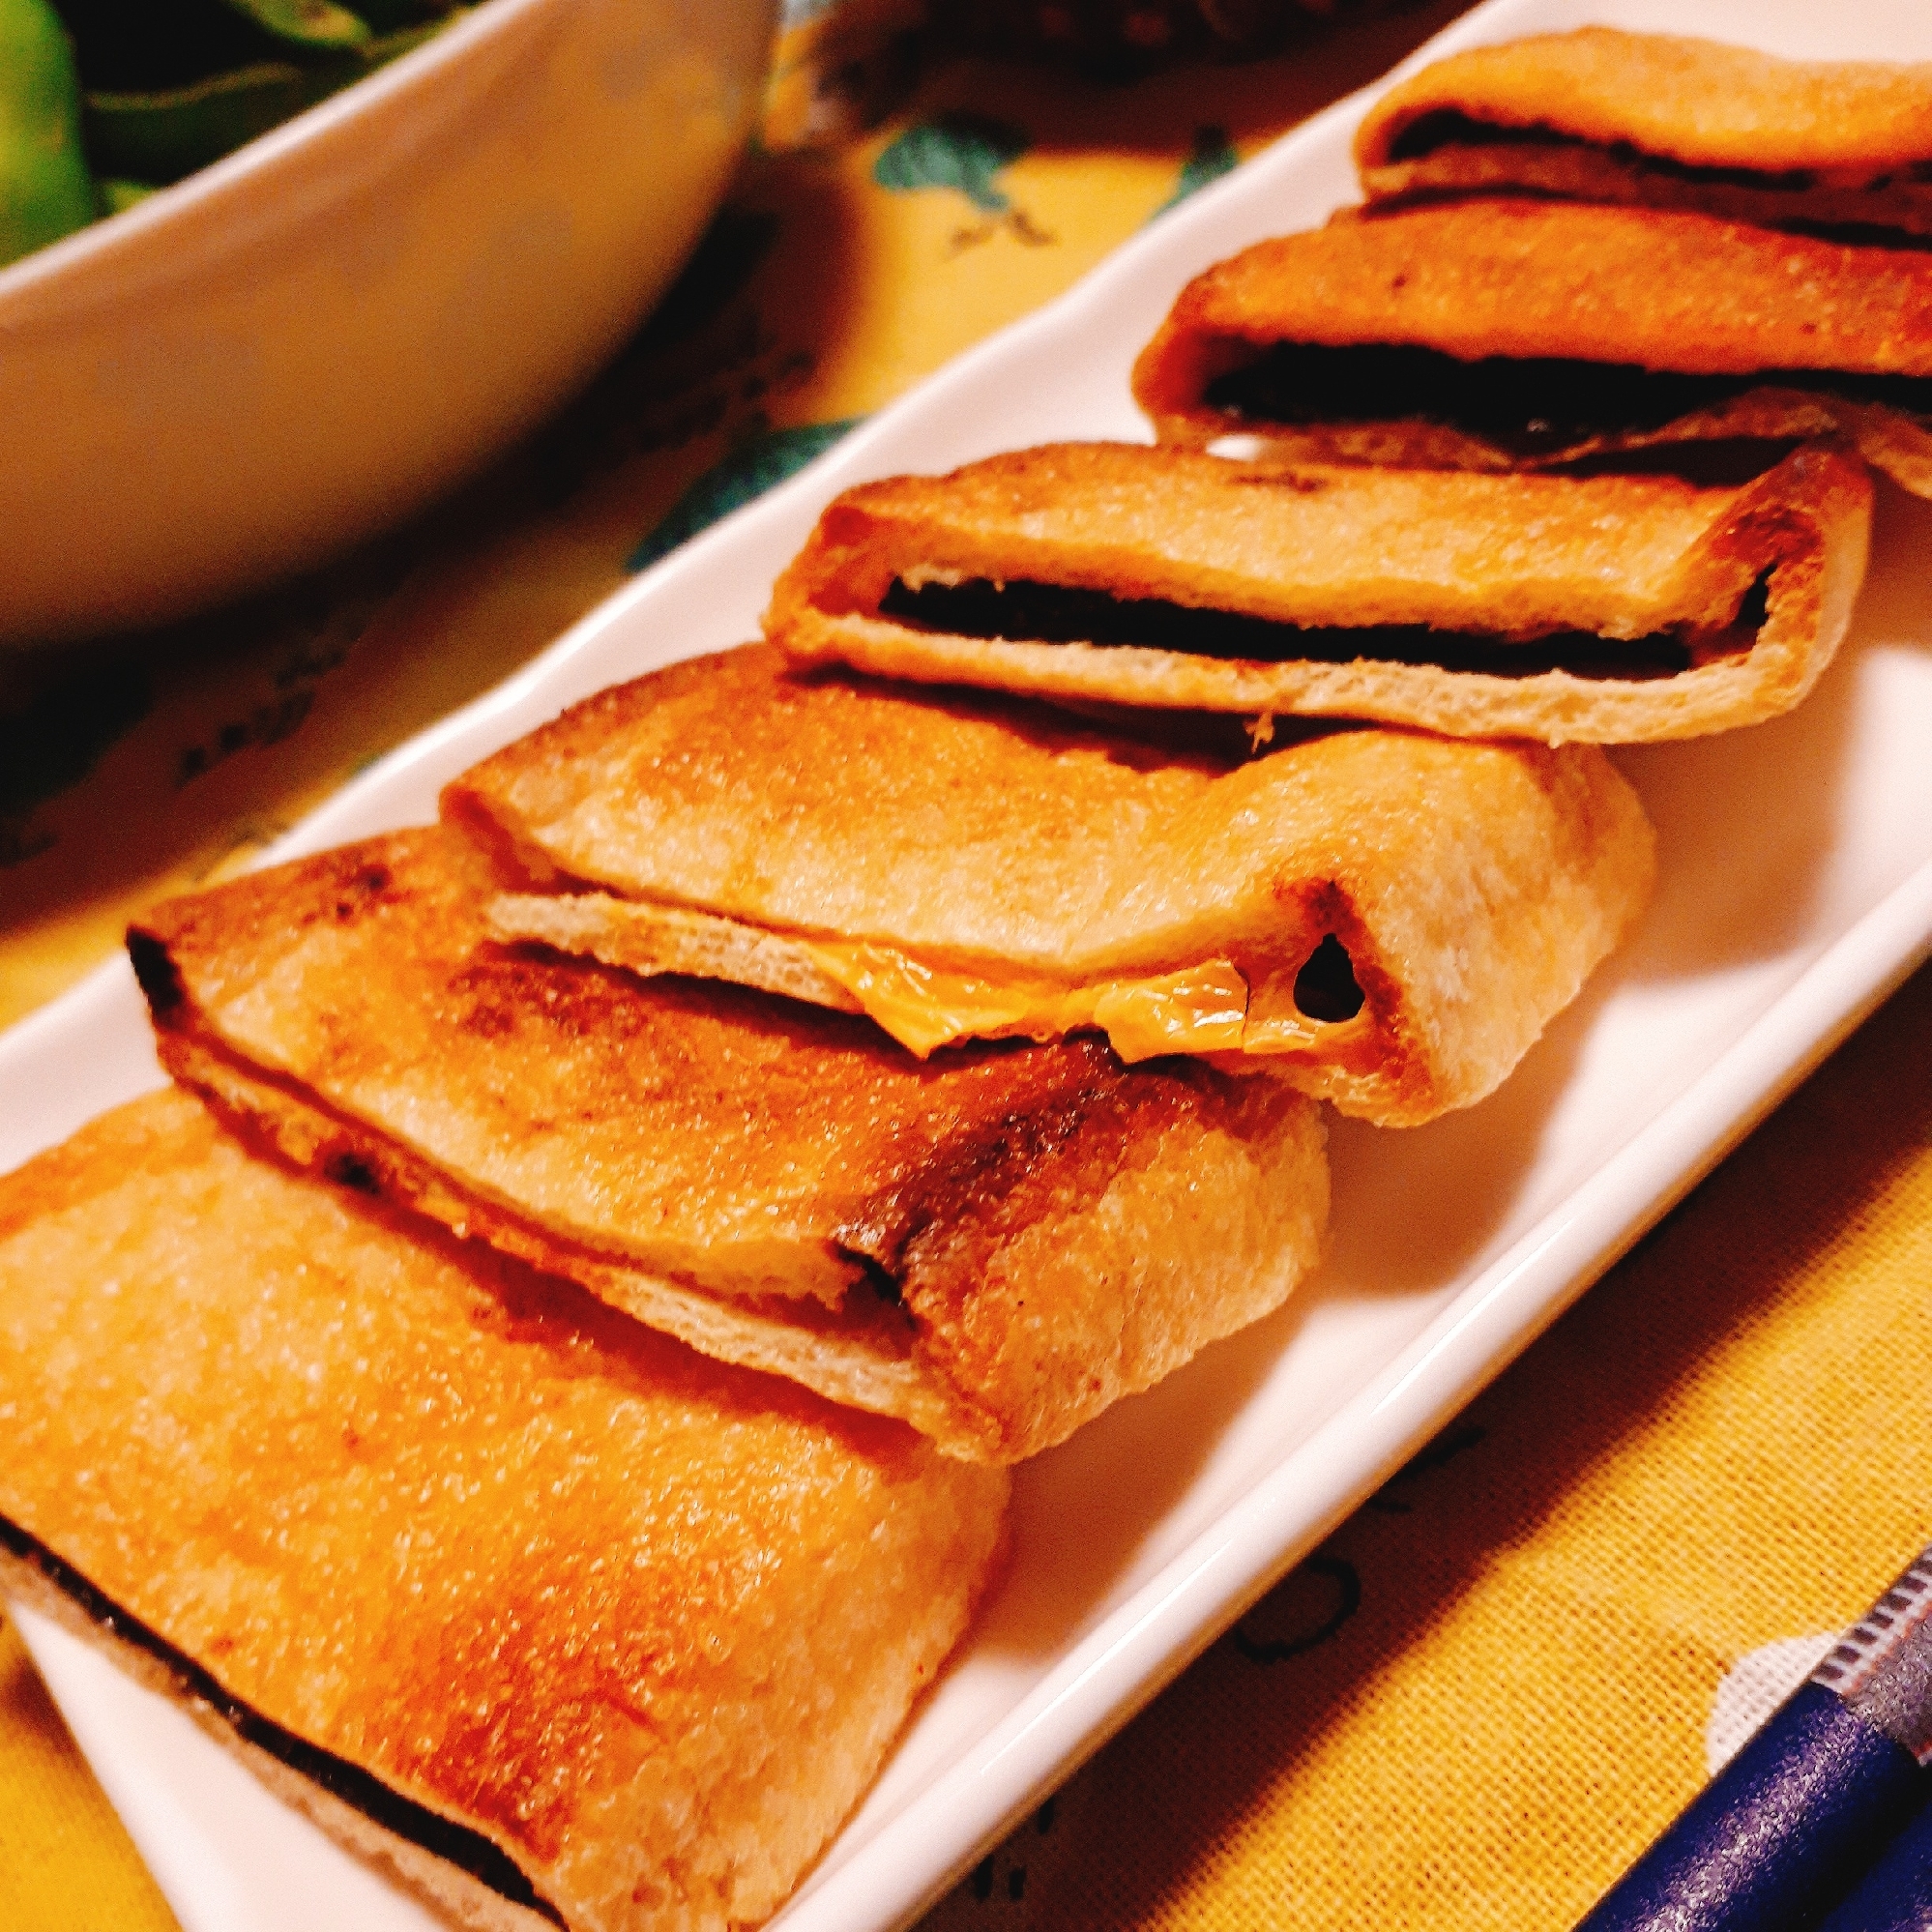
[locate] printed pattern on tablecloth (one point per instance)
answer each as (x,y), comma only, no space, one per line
(1489,1689)
(834,278)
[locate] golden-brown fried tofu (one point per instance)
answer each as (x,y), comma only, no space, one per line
(1606,609)
(558,1620)
(1520,334)
(993,1245)
(1386,918)
(1660,121)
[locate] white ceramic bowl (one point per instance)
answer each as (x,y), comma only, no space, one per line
(310,338)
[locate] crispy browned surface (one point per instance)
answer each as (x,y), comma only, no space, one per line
(744,1172)
(698,944)
(1659,290)
(1473,885)
(1508,556)
(645,1622)
(1531,278)
(1698,103)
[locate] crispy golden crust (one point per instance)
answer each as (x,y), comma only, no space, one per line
(1514,557)
(1630,287)
(1697,102)
(1474,887)
(772,1183)
(676,940)
(1528,279)
(642,1623)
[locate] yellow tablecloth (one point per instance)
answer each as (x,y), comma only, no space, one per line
(1492,1685)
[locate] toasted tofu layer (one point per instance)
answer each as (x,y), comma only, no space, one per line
(1388,920)
(1516,333)
(994,1244)
(563,1623)
(1662,122)
(1606,609)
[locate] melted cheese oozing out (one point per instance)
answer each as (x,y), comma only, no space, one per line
(1200,1009)
(1204,1008)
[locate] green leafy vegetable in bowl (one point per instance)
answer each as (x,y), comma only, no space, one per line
(164,88)
(44,189)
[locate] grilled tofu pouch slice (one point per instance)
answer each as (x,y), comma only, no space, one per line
(993,1245)
(1384,918)
(557,1620)
(1518,333)
(1658,120)
(1605,609)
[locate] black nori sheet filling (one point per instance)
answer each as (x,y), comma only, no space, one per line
(1446,127)
(1058,614)
(469,1851)
(154,972)
(1530,406)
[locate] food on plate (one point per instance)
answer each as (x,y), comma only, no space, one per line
(164,87)
(1603,115)
(571,1625)
(1387,919)
(1606,609)
(993,1246)
(1517,333)
(559,1620)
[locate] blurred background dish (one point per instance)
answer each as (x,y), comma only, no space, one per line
(248,371)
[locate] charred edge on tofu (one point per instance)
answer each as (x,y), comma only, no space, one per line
(877,1277)
(1529,405)
(154,972)
(1060,614)
(455,1844)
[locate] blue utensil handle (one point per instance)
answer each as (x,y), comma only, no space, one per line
(1897,1894)
(1779,1834)
(1797,1817)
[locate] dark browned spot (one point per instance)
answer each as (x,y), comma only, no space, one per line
(877,1277)
(154,972)
(368,886)
(1297,482)
(351,1170)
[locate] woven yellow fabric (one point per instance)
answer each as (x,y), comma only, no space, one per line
(1489,1689)
(63,1859)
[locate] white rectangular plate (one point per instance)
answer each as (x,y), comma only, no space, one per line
(1796,889)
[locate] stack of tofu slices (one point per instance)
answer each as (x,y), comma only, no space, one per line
(541,1384)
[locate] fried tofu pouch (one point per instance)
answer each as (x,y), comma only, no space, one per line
(993,1246)
(1608,609)
(1662,122)
(556,1620)
(1387,919)
(1518,333)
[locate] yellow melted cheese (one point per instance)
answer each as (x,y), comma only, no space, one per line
(1201,1009)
